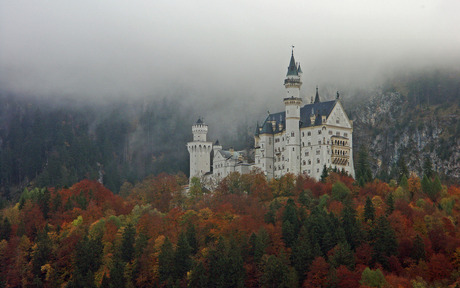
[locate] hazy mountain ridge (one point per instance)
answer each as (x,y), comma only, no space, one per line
(413,117)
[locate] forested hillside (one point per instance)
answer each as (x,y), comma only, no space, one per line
(288,232)
(411,118)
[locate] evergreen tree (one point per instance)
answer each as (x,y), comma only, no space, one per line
(390,201)
(343,255)
(290,214)
(363,171)
(403,182)
(418,249)
(191,238)
(117,279)
(199,276)
(5,229)
(166,263)
(402,169)
(324,174)
(127,243)
(288,233)
(182,260)
(369,210)
(385,243)
(303,253)
(351,227)
(428,167)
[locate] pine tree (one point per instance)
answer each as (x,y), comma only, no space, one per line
(324,174)
(166,262)
(428,167)
(369,210)
(418,249)
(363,171)
(127,243)
(390,201)
(182,260)
(385,243)
(191,238)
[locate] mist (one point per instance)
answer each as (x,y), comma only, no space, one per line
(227,60)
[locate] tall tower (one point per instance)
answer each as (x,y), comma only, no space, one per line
(200,150)
(292,104)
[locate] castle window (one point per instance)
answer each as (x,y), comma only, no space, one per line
(319,142)
(317,160)
(309,162)
(293,149)
(319,132)
(269,141)
(304,162)
(292,134)
(309,143)
(303,144)
(345,134)
(317,170)
(337,121)
(303,134)
(288,170)
(338,133)
(318,152)
(330,132)
(309,134)
(306,153)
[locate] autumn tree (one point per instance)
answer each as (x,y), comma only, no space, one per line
(318,274)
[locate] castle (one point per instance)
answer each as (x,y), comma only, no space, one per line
(300,139)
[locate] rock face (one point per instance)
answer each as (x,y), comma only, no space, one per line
(392,127)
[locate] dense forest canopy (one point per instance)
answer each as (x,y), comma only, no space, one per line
(250,232)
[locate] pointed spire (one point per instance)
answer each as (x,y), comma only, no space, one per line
(217,143)
(338,95)
(299,70)
(292,69)
(257,129)
(317,95)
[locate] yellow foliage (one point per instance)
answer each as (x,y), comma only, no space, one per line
(205,213)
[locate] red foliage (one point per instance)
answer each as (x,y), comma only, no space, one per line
(33,220)
(317,277)
(363,254)
(347,278)
(439,267)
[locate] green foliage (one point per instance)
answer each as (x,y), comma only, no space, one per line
(403,171)
(340,191)
(166,269)
(418,249)
(363,171)
(428,167)
(324,174)
(373,278)
(390,202)
(385,243)
(403,182)
(127,243)
(182,257)
(369,210)
(277,273)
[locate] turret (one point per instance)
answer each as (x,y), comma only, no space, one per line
(292,104)
(292,82)
(199,130)
(200,150)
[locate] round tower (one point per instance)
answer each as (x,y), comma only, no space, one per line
(200,150)
(292,104)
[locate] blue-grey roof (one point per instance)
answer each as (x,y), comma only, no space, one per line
(319,109)
(292,69)
(199,121)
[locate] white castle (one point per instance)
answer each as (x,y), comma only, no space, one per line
(300,139)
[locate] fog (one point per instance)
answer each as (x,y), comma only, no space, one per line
(216,56)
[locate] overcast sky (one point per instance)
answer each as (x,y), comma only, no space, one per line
(229,50)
